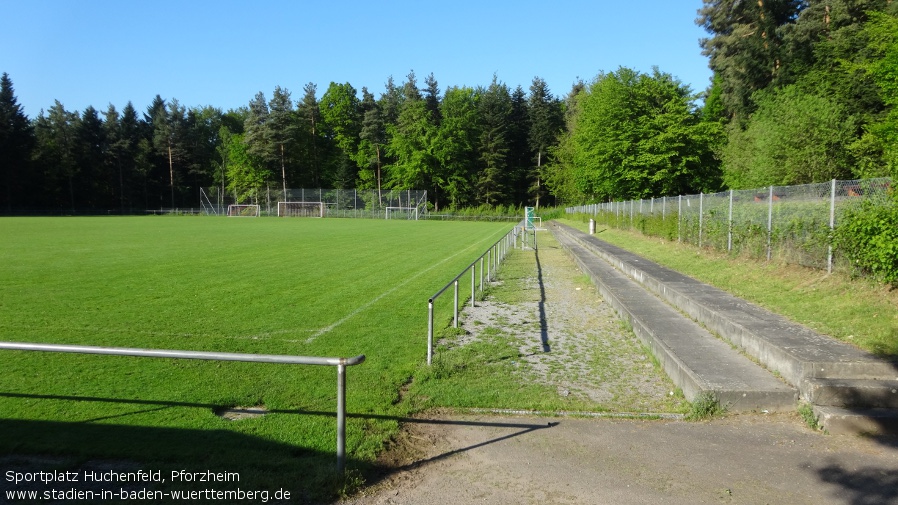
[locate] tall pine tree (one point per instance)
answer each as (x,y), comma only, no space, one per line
(16,143)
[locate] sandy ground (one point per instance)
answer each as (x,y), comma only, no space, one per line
(570,339)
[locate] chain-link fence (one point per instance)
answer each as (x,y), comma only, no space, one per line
(391,204)
(791,223)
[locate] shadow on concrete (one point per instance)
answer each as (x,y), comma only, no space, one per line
(860,486)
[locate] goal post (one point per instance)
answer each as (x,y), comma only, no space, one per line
(301,209)
(244,210)
(401,213)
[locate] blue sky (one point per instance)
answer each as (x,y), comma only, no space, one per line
(222,53)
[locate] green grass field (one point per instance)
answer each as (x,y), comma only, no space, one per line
(310,287)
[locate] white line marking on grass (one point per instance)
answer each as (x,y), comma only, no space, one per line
(354,313)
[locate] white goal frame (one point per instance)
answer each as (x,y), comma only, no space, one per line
(239,210)
(410,210)
(303,209)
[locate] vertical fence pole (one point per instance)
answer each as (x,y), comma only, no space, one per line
(455,305)
(341,417)
(679,216)
(701,208)
(730,225)
(832,225)
(769,221)
(429,331)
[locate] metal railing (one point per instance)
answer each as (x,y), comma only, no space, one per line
(493,256)
(340,363)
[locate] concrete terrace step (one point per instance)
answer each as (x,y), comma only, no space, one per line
(842,421)
(694,359)
(851,393)
(792,350)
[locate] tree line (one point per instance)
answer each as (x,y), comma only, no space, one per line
(802,91)
(466,147)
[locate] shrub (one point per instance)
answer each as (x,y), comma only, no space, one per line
(867,236)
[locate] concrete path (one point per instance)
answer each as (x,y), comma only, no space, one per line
(745,459)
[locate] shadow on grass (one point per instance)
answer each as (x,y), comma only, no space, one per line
(309,475)
(543,321)
(265,468)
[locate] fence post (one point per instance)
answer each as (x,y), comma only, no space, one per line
(701,212)
(679,217)
(769,222)
(832,226)
(730,225)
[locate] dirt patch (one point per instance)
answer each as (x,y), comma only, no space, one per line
(238,413)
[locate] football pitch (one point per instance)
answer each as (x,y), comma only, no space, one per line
(310,287)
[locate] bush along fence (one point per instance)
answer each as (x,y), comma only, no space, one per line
(796,224)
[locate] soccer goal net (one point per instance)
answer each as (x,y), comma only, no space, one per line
(401,213)
(301,209)
(243,210)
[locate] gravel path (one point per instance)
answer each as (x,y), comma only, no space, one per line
(568,336)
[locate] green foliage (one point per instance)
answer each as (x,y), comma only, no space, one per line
(246,174)
(638,135)
(806,411)
(883,34)
(705,406)
(746,48)
(793,138)
(868,236)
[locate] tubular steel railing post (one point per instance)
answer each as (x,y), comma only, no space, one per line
(481,275)
(473,268)
(455,310)
(429,331)
(489,265)
(341,417)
